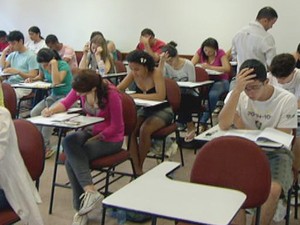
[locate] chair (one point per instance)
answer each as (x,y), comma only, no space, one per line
(236,163)
(31,147)
(31,97)
(174,98)
(10,99)
(120,67)
(108,163)
(201,75)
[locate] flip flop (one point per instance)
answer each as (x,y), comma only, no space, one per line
(190,136)
(49,153)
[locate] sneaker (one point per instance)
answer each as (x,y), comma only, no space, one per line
(80,219)
(171,150)
(280,211)
(89,201)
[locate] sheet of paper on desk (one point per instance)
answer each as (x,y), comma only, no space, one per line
(269,137)
(59,117)
(38,84)
(213,72)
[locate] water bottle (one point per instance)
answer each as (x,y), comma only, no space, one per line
(101,68)
(121,217)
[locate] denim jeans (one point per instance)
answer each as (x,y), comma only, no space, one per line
(3,202)
(80,152)
(37,110)
(218,88)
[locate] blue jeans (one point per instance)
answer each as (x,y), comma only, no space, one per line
(80,152)
(3,202)
(218,88)
(37,110)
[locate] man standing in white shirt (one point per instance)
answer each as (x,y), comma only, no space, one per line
(253,41)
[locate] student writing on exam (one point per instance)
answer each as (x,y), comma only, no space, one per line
(210,56)
(20,61)
(255,104)
(150,85)
(56,71)
(284,74)
(181,69)
(100,99)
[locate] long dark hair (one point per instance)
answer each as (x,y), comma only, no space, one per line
(209,42)
(85,80)
(46,55)
(36,30)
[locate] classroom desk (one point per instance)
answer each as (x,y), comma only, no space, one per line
(210,72)
(63,122)
(215,132)
(148,103)
(155,194)
(37,85)
(192,85)
(6,75)
(114,76)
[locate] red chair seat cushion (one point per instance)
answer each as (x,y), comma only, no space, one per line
(165,131)
(8,216)
(110,160)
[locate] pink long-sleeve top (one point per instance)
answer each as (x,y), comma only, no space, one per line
(112,128)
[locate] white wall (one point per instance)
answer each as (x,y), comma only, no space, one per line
(186,22)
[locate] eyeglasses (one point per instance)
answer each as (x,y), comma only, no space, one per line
(253,87)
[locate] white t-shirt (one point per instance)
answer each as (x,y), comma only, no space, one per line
(185,73)
(253,42)
(293,86)
(35,47)
(279,111)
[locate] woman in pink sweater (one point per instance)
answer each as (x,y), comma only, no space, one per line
(99,98)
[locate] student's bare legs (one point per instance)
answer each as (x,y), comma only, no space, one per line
(268,209)
(133,147)
(148,127)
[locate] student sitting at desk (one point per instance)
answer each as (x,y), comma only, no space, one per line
(20,61)
(255,104)
(16,186)
(213,58)
(56,71)
(181,69)
(150,85)
(99,98)
(96,55)
(284,74)
(36,42)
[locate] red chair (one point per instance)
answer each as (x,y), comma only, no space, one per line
(31,147)
(174,98)
(120,67)
(235,163)
(10,99)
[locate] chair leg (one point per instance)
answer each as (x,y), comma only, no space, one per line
(296,192)
(257,216)
(288,207)
(154,220)
(163,150)
(55,171)
(103,215)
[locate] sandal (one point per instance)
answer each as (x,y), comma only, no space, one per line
(190,136)
(49,153)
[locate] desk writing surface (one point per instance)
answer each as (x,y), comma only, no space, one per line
(111,75)
(189,84)
(210,72)
(147,103)
(215,132)
(37,85)
(155,194)
(65,120)
(3,74)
